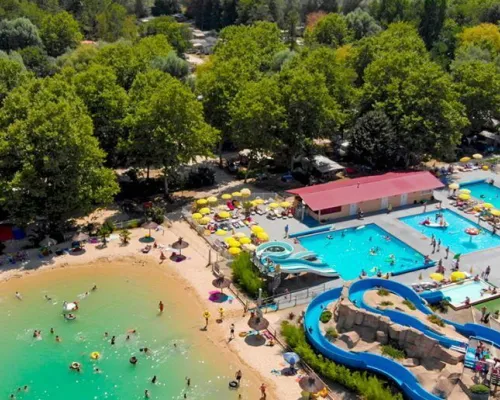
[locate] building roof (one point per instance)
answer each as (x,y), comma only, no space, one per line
(358,190)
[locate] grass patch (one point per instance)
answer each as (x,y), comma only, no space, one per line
(441,307)
(387,303)
(370,387)
(383,292)
(479,389)
(326,316)
(409,304)
(331,333)
(246,275)
(390,351)
(436,320)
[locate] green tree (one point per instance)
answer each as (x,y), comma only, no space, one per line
(167,126)
(178,35)
(331,30)
(479,87)
(37,61)
(60,32)
(80,58)
(389,11)
(362,24)
(106,102)
(165,7)
(12,74)
(114,23)
(374,141)
(17,34)
(257,118)
(50,162)
(486,36)
(172,64)
(432,20)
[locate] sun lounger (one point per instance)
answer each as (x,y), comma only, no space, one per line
(146,249)
(260,211)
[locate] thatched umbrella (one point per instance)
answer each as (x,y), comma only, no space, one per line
(258,323)
(80,237)
(179,245)
(150,225)
(48,242)
(221,283)
(311,384)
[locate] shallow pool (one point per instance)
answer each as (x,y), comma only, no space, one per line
(351,250)
(454,236)
(458,293)
(484,192)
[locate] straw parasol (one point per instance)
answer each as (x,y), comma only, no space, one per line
(263,236)
(212,199)
(258,323)
(239,235)
(226,196)
(245,192)
(465,159)
(457,276)
(311,384)
(477,156)
(179,245)
(249,247)
(201,202)
(436,277)
(464,196)
(454,186)
(274,205)
(81,237)
(148,225)
(196,216)
(48,242)
(221,283)
(234,251)
(257,229)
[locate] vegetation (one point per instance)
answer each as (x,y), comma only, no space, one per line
(409,304)
(125,236)
(366,385)
(331,333)
(393,352)
(479,389)
(383,292)
(386,303)
(246,275)
(436,320)
(326,316)
(441,307)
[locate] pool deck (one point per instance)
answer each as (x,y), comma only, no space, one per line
(478,260)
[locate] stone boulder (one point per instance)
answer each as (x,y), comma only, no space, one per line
(359,318)
(350,338)
(395,330)
(367,334)
(382,337)
(410,362)
(384,323)
(446,355)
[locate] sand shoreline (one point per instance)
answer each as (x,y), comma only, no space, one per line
(196,279)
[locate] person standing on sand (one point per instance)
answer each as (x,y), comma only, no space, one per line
(238,376)
(161,306)
(231,332)
(447,252)
(18,296)
(286,230)
(263,391)
(206,315)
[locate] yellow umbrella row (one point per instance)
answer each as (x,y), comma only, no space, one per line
(464,196)
(201,202)
(226,196)
(224,214)
(495,212)
(457,276)
(204,210)
(257,229)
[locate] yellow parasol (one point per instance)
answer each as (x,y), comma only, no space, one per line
(239,235)
(245,192)
(485,168)
(454,186)
(204,211)
(234,251)
(226,196)
(196,216)
(285,204)
(236,194)
(465,159)
(487,206)
(221,232)
(212,199)
(201,202)
(245,240)
(477,156)
(466,191)
(204,221)
(464,196)
(259,201)
(495,212)
(263,236)
(436,277)
(257,228)
(234,243)
(274,205)
(224,214)
(457,276)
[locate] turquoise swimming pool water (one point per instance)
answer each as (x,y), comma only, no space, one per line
(454,236)
(484,192)
(349,251)
(458,293)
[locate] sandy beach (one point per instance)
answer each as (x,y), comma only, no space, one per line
(195,278)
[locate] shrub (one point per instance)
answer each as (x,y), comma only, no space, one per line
(246,275)
(383,292)
(326,316)
(409,304)
(109,225)
(367,385)
(436,320)
(291,316)
(331,333)
(157,214)
(125,236)
(133,223)
(479,389)
(442,307)
(388,350)
(387,303)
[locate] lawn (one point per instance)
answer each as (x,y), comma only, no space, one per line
(492,305)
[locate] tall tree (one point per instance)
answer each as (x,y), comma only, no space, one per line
(50,162)
(486,36)
(167,127)
(18,33)
(37,61)
(114,23)
(362,24)
(60,32)
(165,7)
(12,74)
(331,30)
(178,35)
(432,20)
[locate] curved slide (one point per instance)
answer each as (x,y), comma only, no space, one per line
(405,379)
(297,265)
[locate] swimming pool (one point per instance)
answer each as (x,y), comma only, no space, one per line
(484,191)
(349,251)
(458,293)
(453,236)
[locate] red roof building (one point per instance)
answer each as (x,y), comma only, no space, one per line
(370,193)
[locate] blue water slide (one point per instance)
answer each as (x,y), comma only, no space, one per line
(264,250)
(432,296)
(297,265)
(405,379)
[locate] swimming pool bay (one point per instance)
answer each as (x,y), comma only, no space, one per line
(484,192)
(349,251)
(458,293)
(454,236)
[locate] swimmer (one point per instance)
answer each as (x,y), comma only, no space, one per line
(329,237)
(97,370)
(188,381)
(132,331)
(48,298)
(52,330)
(154,379)
(387,238)
(105,334)
(363,272)
(18,296)
(128,337)
(146,394)
(343,234)
(25,388)
(113,340)
(370,239)
(94,288)
(133,360)
(58,339)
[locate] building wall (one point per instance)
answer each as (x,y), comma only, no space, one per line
(373,205)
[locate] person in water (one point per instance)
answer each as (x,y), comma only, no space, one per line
(161,306)
(329,237)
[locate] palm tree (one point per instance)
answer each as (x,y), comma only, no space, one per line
(125,236)
(103,233)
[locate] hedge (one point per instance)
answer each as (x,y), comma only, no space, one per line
(246,275)
(368,386)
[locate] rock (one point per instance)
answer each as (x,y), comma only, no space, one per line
(452,373)
(443,388)
(384,323)
(448,356)
(412,336)
(394,331)
(382,337)
(410,362)
(350,338)
(371,321)
(359,318)
(412,351)
(348,320)
(367,333)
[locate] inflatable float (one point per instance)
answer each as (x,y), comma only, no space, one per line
(70,317)
(95,355)
(75,365)
(68,307)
